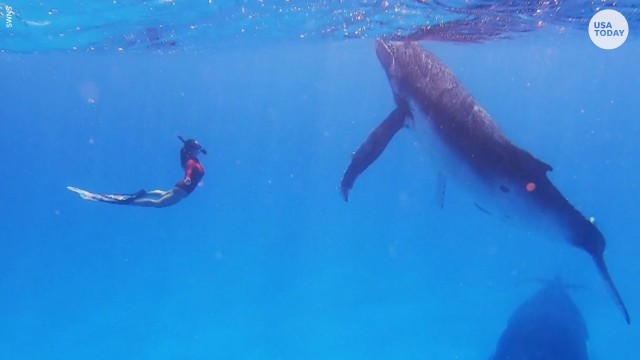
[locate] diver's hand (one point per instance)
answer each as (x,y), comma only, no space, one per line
(187,181)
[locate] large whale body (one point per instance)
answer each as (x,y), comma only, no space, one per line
(547,326)
(467,142)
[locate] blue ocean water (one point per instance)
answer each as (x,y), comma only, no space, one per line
(265,260)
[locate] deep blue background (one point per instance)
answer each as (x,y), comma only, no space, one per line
(265,261)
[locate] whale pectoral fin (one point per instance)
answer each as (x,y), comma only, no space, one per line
(372,147)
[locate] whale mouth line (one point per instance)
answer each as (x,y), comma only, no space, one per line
(386,54)
(391,53)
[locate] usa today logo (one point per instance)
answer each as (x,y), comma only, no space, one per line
(608,29)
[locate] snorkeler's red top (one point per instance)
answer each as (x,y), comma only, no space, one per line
(195,171)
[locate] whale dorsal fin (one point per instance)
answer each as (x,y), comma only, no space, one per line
(538,167)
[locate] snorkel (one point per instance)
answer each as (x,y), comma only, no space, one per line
(191,144)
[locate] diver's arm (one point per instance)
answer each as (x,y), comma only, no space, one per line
(187,175)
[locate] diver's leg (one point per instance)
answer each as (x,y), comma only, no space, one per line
(169,198)
(157,193)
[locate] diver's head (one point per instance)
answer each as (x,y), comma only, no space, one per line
(192,146)
(190,150)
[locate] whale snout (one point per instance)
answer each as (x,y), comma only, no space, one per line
(386,50)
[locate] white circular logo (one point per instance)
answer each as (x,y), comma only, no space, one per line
(608,29)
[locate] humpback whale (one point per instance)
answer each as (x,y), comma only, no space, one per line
(547,326)
(467,142)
